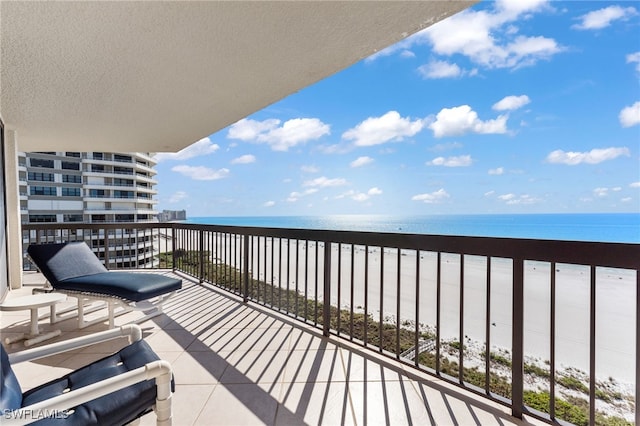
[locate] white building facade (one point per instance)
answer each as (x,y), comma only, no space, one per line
(95,188)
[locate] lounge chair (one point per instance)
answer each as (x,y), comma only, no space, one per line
(73,269)
(115,390)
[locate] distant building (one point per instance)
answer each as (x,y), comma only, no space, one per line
(93,187)
(172,215)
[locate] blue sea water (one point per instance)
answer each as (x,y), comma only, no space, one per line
(618,227)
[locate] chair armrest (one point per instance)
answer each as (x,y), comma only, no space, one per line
(159,370)
(132,330)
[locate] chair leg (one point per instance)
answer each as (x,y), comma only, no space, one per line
(163,400)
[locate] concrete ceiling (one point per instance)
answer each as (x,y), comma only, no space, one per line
(158,76)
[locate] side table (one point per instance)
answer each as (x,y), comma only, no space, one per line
(33,302)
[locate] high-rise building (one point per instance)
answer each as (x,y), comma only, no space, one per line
(93,187)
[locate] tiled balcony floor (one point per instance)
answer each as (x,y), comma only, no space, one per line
(238,364)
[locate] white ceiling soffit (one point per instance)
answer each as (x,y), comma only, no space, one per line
(158,76)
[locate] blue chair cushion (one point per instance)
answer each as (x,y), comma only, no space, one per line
(128,285)
(73,266)
(10,392)
(61,261)
(116,408)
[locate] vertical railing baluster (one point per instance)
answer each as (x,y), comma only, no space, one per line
(246,268)
(398,276)
(461,322)
(306,279)
(381,296)
(351,297)
(552,345)
(487,331)
(416,342)
(201,256)
(438,308)
(315,312)
(338,322)
(366,295)
(297,276)
(637,398)
(106,247)
(517,362)
(326,306)
(288,311)
(174,235)
(592,345)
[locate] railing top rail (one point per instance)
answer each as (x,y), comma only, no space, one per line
(620,255)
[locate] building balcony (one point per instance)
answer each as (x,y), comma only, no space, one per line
(238,363)
(352,327)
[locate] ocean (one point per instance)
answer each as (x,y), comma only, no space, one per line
(601,227)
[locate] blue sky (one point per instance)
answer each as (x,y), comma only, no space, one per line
(521,106)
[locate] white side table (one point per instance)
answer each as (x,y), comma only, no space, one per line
(33,302)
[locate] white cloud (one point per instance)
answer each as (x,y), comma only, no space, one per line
(244,159)
(433,197)
(634,58)
(379,130)
(201,172)
(295,196)
(324,182)
(601,192)
(459,120)
(407,54)
(509,103)
(361,196)
(626,199)
(269,203)
(176,197)
(489,193)
(489,38)
(459,161)
(310,169)
(602,18)
(280,138)
(361,161)
(634,185)
(202,147)
(513,199)
(497,171)
(440,69)
(630,116)
(594,156)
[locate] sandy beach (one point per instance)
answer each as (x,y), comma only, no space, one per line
(615,310)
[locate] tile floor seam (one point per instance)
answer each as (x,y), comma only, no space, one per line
(197,418)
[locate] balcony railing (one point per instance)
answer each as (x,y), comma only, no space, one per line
(545,327)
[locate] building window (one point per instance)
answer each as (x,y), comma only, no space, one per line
(123,194)
(98,218)
(38,162)
(122,158)
(125,218)
(122,170)
(70,192)
(73,154)
(40,218)
(122,182)
(43,177)
(72,218)
(97,193)
(97,156)
(69,165)
(72,178)
(43,190)
(97,168)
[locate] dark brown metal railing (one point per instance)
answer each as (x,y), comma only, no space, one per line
(376,289)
